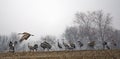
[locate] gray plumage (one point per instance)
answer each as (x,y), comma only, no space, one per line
(80,44)
(12,46)
(32,48)
(91,44)
(66,45)
(105,44)
(59,45)
(107,47)
(36,47)
(72,45)
(46,45)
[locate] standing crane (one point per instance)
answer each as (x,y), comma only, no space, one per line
(105,44)
(46,45)
(91,44)
(72,45)
(65,44)
(12,46)
(80,44)
(59,45)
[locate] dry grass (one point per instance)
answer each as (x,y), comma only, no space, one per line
(82,54)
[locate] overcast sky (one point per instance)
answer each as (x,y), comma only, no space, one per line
(42,17)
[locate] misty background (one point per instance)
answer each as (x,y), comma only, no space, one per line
(41,17)
(49,17)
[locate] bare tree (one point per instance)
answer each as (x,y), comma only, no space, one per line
(71,34)
(85,23)
(94,25)
(102,22)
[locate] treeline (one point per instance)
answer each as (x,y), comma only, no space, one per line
(94,26)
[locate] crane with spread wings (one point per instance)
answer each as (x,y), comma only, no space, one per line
(25,36)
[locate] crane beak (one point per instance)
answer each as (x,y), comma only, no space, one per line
(19,33)
(32,35)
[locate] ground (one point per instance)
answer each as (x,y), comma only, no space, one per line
(79,54)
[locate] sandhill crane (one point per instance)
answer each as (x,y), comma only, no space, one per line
(25,36)
(30,47)
(105,44)
(113,42)
(72,45)
(59,45)
(36,47)
(46,45)
(66,45)
(12,46)
(80,44)
(91,44)
(15,42)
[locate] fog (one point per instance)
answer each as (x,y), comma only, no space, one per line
(49,17)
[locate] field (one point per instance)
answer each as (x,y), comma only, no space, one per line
(81,54)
